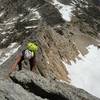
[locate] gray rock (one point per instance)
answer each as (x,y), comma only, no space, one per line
(65,2)
(51,89)
(87,13)
(50,14)
(15,19)
(11,91)
(54,47)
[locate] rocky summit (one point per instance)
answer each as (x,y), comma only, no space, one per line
(63,30)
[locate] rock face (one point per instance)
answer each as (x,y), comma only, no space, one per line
(87,18)
(50,14)
(50,89)
(43,23)
(12,91)
(55,46)
(52,40)
(65,2)
(18,22)
(26,85)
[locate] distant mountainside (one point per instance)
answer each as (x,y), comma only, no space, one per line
(87,13)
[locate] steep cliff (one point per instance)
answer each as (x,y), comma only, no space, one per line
(42,22)
(32,19)
(87,16)
(30,86)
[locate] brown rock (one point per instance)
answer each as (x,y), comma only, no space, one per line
(54,49)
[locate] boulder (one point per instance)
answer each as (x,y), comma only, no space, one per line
(12,91)
(47,88)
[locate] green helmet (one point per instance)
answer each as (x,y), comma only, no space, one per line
(32,47)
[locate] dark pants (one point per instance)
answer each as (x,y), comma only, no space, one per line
(32,62)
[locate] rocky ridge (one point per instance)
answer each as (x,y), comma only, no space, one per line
(31,19)
(86,17)
(39,88)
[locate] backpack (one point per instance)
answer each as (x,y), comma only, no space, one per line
(28,54)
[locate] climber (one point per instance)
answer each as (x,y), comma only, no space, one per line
(29,53)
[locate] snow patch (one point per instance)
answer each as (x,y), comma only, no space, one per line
(1,14)
(12,49)
(29,27)
(15,18)
(3,33)
(20,15)
(33,19)
(3,40)
(10,23)
(1,29)
(35,15)
(65,10)
(35,12)
(12,45)
(85,73)
(1,51)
